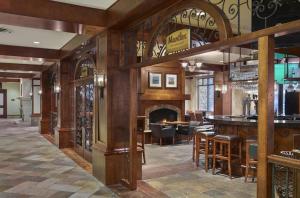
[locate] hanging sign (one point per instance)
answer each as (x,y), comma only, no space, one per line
(178,41)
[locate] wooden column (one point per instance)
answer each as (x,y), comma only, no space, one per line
(46,103)
(112,132)
(64,133)
(133,155)
(265,115)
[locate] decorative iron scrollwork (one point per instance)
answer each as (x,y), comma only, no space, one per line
(266,9)
(202,29)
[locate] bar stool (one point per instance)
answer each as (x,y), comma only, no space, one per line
(206,149)
(225,144)
(251,156)
(202,144)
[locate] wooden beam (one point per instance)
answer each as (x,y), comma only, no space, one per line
(278,30)
(126,13)
(39,23)
(9,80)
(22,67)
(9,50)
(16,75)
(55,11)
(291,51)
(265,115)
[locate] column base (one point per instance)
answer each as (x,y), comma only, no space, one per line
(64,137)
(45,126)
(111,167)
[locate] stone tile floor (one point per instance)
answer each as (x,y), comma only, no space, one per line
(183,180)
(30,166)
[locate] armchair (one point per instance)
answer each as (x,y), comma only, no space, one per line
(161,131)
(187,130)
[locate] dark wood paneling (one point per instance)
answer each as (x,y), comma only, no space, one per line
(16,75)
(22,67)
(9,80)
(9,50)
(34,22)
(55,11)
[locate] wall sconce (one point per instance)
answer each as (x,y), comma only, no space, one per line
(224,89)
(57,89)
(30,94)
(40,92)
(99,81)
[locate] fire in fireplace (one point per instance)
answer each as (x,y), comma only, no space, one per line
(162,115)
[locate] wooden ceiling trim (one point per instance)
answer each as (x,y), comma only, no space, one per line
(3,80)
(9,50)
(55,11)
(16,75)
(22,67)
(39,23)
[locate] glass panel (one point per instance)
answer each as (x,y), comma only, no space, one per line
(202,98)
(1,111)
(36,100)
(36,82)
(211,98)
(1,99)
(89,116)
(80,118)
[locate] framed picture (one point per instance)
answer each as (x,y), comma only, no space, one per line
(171,81)
(155,80)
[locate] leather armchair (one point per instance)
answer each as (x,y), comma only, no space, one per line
(188,129)
(161,131)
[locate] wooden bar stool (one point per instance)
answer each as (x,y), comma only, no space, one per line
(222,150)
(251,156)
(206,148)
(202,144)
(251,159)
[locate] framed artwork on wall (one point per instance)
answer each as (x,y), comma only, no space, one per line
(171,81)
(155,80)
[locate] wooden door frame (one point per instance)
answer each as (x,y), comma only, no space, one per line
(4,91)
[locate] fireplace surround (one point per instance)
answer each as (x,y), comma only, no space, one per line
(158,113)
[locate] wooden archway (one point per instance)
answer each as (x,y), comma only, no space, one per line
(221,21)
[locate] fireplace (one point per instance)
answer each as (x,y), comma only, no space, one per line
(160,113)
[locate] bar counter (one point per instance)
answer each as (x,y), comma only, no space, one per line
(244,127)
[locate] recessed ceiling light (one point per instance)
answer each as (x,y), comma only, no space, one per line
(36,42)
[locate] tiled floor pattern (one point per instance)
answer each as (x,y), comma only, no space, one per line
(183,180)
(30,166)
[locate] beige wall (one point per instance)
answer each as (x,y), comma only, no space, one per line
(13,92)
(237,102)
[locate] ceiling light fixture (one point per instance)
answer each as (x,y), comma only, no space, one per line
(36,42)
(184,64)
(199,64)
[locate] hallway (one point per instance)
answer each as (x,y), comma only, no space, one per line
(30,166)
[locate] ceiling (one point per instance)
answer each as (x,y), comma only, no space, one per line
(25,37)
(218,57)
(98,4)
